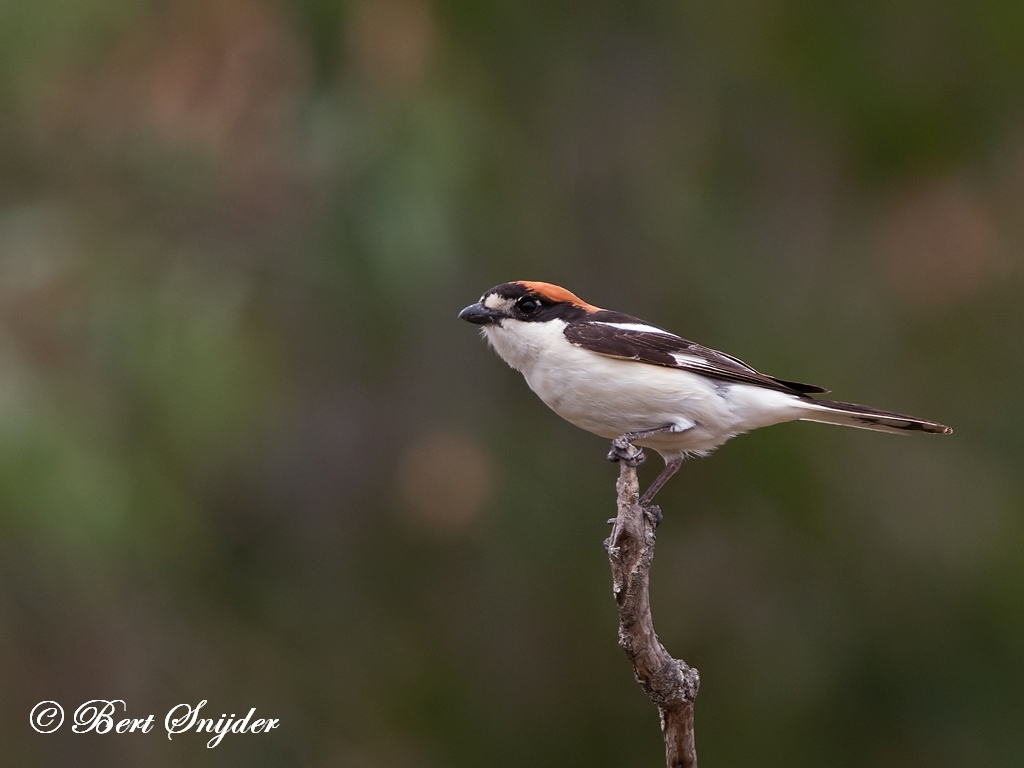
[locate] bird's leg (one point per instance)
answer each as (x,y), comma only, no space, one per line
(624,450)
(671,467)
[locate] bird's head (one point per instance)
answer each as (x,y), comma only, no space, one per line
(520,319)
(527,302)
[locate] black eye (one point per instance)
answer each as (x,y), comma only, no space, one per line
(528,306)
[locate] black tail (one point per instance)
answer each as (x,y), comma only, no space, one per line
(865,417)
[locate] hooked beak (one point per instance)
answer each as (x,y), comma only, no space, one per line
(480,315)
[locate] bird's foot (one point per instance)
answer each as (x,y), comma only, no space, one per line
(623,450)
(653,513)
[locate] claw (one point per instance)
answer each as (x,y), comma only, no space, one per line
(623,450)
(653,511)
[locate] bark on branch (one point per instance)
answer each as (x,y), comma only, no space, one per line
(668,682)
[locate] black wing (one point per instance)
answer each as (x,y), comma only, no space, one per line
(658,347)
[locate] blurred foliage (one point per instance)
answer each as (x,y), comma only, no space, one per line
(234,236)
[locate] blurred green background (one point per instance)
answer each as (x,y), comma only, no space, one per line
(248,454)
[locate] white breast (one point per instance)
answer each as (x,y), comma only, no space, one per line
(610,397)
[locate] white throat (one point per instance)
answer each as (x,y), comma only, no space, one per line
(521,344)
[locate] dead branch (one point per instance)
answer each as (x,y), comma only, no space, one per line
(668,682)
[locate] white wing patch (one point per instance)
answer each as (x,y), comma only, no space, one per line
(690,360)
(638,327)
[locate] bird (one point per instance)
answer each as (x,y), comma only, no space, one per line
(641,386)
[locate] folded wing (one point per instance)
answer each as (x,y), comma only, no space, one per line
(627,338)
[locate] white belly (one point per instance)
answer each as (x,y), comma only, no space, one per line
(611,397)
